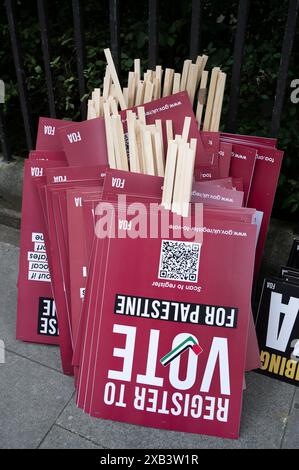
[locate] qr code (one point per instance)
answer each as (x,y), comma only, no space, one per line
(179,261)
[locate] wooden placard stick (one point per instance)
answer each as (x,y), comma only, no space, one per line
(137,69)
(125,94)
(158,123)
(131,89)
(151,128)
(159,75)
(112,92)
(148,151)
(168,81)
(202,62)
(159,153)
(193,144)
(176,83)
(192,81)
(188,181)
(141,156)
(148,75)
(169,129)
(169,174)
(179,181)
(133,149)
(122,102)
(159,72)
(156,88)
(202,93)
(101,106)
(154,151)
(185,72)
(91,112)
(149,89)
(216,115)
(109,136)
(122,144)
(211,97)
(116,146)
(186,128)
(141,115)
(96,95)
(113,105)
(140,93)
(106,84)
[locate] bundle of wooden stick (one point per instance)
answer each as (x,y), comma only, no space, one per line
(193,79)
(178,178)
(141,149)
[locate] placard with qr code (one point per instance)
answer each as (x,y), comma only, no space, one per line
(170,354)
(179,261)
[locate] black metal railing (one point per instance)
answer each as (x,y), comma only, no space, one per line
(153,49)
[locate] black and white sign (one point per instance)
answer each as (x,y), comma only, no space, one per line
(277,328)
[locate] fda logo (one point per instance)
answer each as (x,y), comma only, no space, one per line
(2,352)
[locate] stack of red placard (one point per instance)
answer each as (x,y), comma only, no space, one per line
(153,309)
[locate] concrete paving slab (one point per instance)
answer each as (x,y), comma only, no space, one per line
(9,263)
(59,438)
(291,437)
(9,235)
(266,407)
(32,397)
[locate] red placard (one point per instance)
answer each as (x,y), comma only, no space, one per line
(36,312)
(242,166)
(84,143)
(128,348)
(58,180)
(47,135)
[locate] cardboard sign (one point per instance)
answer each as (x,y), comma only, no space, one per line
(58,180)
(277,328)
(262,192)
(268,141)
(242,166)
(165,348)
(206,172)
(79,249)
(224,158)
(36,311)
(84,143)
(263,186)
(47,135)
(216,196)
(56,155)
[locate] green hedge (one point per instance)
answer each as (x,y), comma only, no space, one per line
(259,72)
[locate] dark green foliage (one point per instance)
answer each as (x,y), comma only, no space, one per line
(259,71)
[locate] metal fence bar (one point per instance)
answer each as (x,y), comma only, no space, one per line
(3,136)
(44,27)
(236,70)
(114,32)
(18,61)
(80,54)
(287,44)
(153,32)
(195,35)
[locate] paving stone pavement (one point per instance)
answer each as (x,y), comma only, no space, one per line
(37,408)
